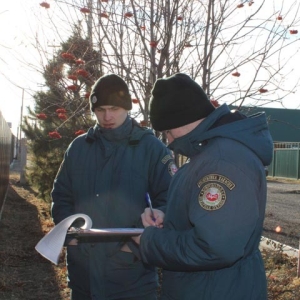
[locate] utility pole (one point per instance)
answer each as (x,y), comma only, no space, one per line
(21,118)
(22,147)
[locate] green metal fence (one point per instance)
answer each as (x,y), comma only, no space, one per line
(286,160)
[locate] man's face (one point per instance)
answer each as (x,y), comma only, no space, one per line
(172,134)
(175,133)
(110,116)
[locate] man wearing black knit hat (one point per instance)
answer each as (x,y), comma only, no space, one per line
(106,175)
(208,246)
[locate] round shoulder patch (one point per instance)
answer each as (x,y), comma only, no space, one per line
(212,196)
(172,168)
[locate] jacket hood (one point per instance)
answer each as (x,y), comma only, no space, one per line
(251,131)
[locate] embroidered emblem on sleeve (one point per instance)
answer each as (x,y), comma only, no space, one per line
(172,168)
(212,195)
(166,158)
(219,178)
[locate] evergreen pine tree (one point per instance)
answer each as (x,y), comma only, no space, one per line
(61,111)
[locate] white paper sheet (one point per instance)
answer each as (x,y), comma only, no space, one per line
(51,244)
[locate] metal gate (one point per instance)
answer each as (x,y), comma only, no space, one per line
(286,160)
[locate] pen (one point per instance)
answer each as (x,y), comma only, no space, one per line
(148,200)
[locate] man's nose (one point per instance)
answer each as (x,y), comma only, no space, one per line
(107,115)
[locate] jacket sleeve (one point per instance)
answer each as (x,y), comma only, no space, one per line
(216,238)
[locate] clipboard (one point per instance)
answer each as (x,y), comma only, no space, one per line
(78,232)
(51,244)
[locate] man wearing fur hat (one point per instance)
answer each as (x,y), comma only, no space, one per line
(106,174)
(209,245)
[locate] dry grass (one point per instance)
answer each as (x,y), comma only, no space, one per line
(24,274)
(281,271)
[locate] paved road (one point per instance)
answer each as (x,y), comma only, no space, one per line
(283,209)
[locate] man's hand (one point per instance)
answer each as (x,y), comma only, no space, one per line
(148,219)
(156,219)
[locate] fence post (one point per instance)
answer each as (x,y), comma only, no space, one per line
(23,161)
(273,162)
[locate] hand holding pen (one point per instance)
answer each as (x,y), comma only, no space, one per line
(152,217)
(148,200)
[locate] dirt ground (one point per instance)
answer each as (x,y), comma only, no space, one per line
(25,274)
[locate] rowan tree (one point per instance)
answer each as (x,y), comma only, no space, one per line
(238,51)
(61,112)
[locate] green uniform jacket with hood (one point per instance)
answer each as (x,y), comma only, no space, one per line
(106,174)
(209,246)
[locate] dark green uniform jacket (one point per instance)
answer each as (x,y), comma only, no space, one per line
(215,212)
(106,174)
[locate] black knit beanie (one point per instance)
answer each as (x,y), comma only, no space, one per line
(110,90)
(177,101)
